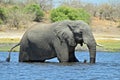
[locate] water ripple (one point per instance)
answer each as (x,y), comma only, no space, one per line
(106,68)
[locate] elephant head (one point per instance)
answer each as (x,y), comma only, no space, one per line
(78,32)
(80,28)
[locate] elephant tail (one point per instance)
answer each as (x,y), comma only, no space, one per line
(8,58)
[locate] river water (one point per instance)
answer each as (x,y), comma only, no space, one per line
(107,67)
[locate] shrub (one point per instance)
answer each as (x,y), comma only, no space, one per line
(2,15)
(1,21)
(55,17)
(83,15)
(35,10)
(16,17)
(14,13)
(64,12)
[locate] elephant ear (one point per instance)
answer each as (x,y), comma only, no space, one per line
(65,35)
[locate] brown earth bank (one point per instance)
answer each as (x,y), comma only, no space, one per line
(105,29)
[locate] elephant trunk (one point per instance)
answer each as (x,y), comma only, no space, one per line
(92,51)
(89,40)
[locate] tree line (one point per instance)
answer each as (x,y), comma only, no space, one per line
(19,13)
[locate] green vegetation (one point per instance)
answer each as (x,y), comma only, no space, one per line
(69,13)
(2,15)
(36,10)
(110,45)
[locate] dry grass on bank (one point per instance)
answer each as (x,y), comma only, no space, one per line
(9,40)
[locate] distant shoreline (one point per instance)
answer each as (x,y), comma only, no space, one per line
(109,45)
(110,42)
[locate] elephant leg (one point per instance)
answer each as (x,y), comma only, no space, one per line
(24,51)
(26,55)
(23,55)
(62,55)
(62,52)
(72,57)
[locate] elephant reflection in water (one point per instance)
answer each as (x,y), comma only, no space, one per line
(59,39)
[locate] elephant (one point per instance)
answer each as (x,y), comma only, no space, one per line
(59,39)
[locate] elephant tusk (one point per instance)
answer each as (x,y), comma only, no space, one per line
(99,45)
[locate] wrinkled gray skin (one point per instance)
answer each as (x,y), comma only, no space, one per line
(40,43)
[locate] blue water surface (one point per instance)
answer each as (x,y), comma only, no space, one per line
(107,67)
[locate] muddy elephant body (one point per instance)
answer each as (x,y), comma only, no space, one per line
(40,43)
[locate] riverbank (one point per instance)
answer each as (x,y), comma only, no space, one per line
(7,43)
(108,44)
